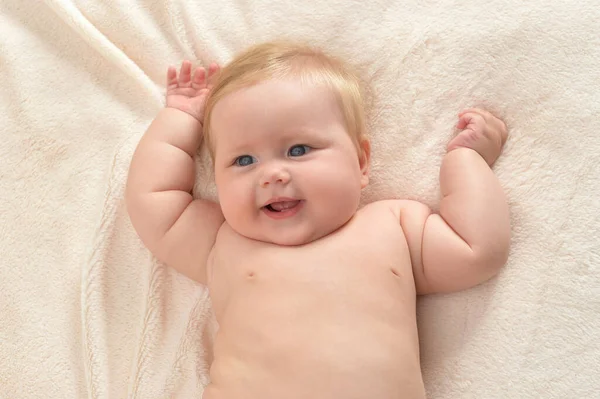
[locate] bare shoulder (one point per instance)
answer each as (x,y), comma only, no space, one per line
(409,215)
(409,218)
(397,208)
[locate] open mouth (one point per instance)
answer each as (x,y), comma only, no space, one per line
(282,206)
(282,209)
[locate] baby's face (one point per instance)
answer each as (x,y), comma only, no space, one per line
(286,170)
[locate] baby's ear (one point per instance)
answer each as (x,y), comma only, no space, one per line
(364,160)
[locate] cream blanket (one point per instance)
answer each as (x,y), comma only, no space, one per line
(86,312)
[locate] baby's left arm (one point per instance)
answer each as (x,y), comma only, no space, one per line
(467,242)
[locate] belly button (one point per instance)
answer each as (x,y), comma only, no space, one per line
(395,272)
(250,274)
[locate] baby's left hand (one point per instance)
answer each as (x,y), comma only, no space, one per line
(482,132)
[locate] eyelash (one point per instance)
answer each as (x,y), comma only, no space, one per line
(306,148)
(236,162)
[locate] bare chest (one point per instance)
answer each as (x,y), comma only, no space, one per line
(367,258)
(339,312)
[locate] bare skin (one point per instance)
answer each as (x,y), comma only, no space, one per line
(333,317)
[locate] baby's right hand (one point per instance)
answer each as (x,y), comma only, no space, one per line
(187,93)
(482,132)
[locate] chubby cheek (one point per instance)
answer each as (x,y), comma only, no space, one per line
(236,200)
(344,193)
(337,190)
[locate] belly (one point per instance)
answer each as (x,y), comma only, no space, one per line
(306,331)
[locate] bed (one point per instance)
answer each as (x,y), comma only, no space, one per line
(87,312)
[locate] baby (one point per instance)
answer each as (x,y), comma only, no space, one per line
(314,297)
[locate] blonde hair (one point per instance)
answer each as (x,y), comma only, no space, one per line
(280,60)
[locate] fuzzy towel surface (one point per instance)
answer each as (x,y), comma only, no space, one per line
(86,311)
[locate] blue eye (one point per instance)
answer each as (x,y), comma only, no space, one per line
(244,160)
(298,150)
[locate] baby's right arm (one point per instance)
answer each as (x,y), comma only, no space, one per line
(179,230)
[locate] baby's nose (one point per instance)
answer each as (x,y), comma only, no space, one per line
(275,176)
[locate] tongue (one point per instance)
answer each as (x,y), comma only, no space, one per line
(282,206)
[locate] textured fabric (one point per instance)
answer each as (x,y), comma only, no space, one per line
(86,312)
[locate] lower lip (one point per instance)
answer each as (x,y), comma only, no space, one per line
(284,214)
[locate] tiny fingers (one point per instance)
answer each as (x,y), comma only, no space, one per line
(471,120)
(199,78)
(467,119)
(462,122)
(488,116)
(212,69)
(171,76)
(185,75)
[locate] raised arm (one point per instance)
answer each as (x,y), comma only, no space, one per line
(177,229)
(468,241)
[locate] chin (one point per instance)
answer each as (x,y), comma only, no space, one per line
(295,237)
(291,241)
(289,236)
(288,240)
(298,237)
